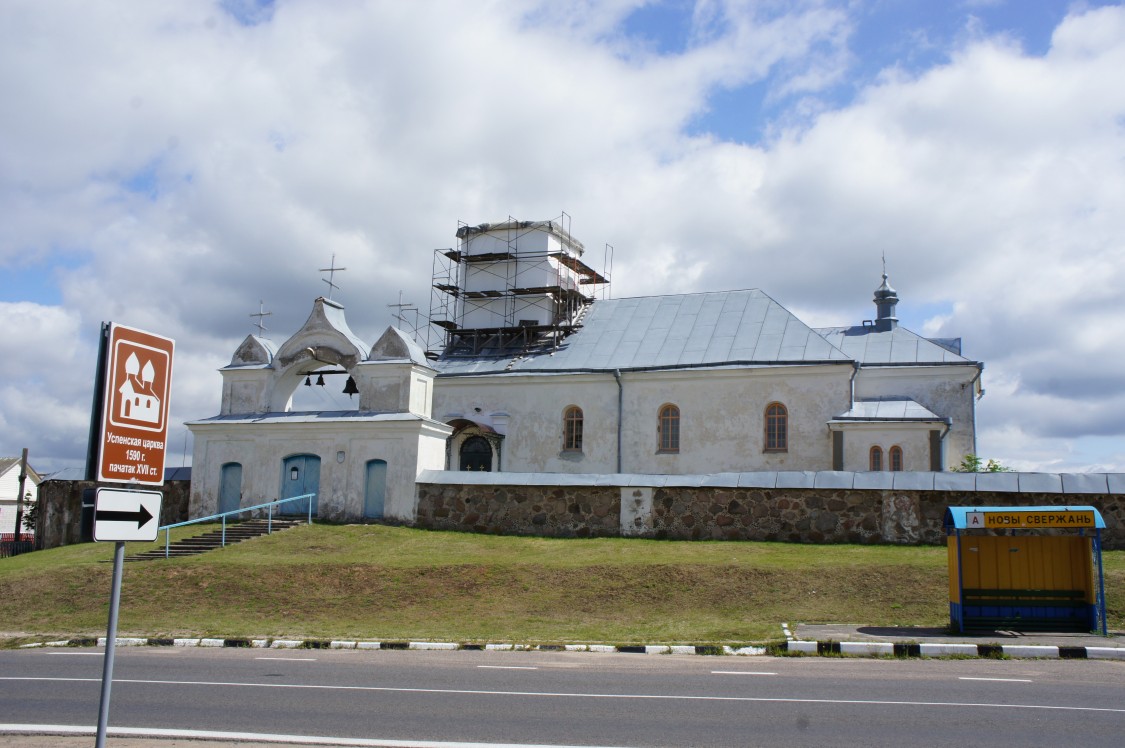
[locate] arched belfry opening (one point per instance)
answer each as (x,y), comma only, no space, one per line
(313,366)
(321,382)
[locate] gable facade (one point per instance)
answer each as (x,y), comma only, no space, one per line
(360,462)
(9,492)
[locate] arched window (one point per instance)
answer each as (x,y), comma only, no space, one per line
(777,428)
(668,429)
(896,458)
(876,459)
(476,454)
(572,429)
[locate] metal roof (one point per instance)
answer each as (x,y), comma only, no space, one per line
(315,416)
(898,346)
(1033,483)
(688,330)
(79,474)
(7,463)
(888,409)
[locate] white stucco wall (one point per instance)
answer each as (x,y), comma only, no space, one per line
(522,273)
(534,430)
(722,417)
(947,391)
(407,444)
(721,410)
(913,438)
(9,491)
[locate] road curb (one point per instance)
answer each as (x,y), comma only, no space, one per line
(792,646)
(912,649)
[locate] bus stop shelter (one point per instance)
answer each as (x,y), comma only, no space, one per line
(1025,568)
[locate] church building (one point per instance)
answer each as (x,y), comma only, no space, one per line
(535,374)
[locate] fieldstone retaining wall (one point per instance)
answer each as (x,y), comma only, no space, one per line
(553,511)
(796,507)
(61,520)
(842,515)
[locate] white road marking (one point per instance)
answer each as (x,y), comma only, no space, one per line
(999,680)
(738,672)
(289,659)
(261,737)
(78,654)
(505,667)
(571,695)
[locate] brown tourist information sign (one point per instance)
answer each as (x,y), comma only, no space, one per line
(138,383)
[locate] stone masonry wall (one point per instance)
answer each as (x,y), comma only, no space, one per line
(712,513)
(842,515)
(60,517)
(552,511)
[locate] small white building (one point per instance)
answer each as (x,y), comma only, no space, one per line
(10,489)
(360,463)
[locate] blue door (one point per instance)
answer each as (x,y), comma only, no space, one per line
(300,474)
(375,489)
(230,487)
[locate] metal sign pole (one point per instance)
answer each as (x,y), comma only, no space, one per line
(96,411)
(110,643)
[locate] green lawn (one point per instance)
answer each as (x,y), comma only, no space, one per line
(387,583)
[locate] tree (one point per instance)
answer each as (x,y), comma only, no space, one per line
(976,464)
(30,513)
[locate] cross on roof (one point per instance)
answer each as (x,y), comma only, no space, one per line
(408,306)
(331,270)
(261,314)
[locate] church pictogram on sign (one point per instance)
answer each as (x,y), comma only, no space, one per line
(135,425)
(138,400)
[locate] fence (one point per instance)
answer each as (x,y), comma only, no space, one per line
(11,545)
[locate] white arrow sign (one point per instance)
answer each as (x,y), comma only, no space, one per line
(126,515)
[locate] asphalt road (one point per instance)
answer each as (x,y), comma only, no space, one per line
(577,699)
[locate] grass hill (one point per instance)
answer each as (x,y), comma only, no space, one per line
(392,583)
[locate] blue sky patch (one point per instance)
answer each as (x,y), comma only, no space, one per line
(249,12)
(663,27)
(38,281)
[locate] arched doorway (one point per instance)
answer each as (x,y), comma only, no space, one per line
(230,487)
(375,489)
(476,454)
(300,474)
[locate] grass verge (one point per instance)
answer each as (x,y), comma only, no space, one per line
(387,583)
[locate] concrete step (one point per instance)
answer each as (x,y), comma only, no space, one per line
(213,539)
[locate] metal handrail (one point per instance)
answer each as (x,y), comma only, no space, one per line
(223,516)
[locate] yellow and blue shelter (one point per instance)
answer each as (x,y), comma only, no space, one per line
(1025,568)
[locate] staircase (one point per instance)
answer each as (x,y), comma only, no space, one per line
(209,541)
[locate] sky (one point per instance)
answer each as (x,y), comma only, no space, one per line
(180,166)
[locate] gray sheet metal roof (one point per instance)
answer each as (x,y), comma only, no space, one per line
(337,416)
(1088,483)
(75,474)
(653,332)
(897,409)
(897,346)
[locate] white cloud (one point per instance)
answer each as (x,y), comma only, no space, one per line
(186,166)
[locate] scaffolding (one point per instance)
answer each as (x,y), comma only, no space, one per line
(488,316)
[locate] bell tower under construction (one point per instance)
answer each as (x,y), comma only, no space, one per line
(511,287)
